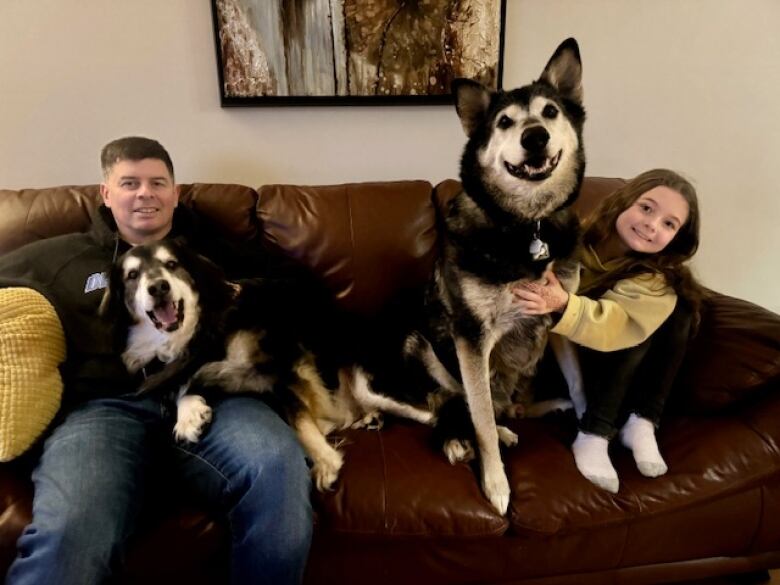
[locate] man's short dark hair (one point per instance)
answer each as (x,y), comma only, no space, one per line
(133,148)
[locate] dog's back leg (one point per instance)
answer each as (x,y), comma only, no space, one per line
(418,347)
(308,406)
(454,431)
(327,460)
(370,400)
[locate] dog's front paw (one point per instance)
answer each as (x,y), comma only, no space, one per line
(192,416)
(372,421)
(496,487)
(459,450)
(507,437)
(325,470)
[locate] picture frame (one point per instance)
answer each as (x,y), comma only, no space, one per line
(354,52)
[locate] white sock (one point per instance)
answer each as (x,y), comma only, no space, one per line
(591,454)
(638,434)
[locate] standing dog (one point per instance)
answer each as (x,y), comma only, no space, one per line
(522,166)
(192,333)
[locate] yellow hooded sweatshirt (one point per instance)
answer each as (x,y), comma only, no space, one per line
(624,316)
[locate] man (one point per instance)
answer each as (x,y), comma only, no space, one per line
(101,463)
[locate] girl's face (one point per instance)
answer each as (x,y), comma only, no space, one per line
(652,221)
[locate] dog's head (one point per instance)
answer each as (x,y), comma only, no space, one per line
(164,284)
(525,145)
(154,286)
(160,296)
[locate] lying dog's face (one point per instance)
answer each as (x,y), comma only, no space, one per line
(525,145)
(156,286)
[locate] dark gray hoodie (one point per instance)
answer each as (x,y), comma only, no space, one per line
(71,272)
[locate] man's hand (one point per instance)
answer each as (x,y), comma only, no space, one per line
(541,297)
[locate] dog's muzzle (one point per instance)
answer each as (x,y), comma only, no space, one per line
(535,167)
(167,313)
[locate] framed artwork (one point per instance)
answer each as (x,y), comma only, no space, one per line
(332,52)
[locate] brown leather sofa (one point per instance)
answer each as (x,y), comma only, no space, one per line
(400,513)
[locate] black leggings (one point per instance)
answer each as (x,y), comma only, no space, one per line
(637,379)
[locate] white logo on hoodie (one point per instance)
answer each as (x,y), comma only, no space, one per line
(97,281)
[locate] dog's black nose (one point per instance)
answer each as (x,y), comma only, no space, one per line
(159,288)
(534,138)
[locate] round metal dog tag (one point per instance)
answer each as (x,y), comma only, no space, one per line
(539,249)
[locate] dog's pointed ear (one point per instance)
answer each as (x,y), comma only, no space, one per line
(564,70)
(471,102)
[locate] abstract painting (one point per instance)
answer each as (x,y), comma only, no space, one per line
(287,52)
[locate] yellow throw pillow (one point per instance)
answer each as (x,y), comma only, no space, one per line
(32,345)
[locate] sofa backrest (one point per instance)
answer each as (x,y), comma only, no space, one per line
(367,240)
(28,215)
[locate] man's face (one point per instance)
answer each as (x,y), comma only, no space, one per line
(142,196)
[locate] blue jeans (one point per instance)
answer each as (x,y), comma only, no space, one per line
(97,472)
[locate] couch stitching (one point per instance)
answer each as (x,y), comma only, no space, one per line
(352,242)
(383,458)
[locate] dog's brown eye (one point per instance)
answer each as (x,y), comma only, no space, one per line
(550,111)
(171,264)
(505,122)
(132,275)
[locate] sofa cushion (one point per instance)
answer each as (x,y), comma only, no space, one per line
(28,215)
(395,484)
(32,345)
(735,354)
(230,207)
(710,460)
(367,241)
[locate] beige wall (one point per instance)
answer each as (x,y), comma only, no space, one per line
(689,84)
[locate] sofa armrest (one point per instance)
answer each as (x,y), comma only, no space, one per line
(735,354)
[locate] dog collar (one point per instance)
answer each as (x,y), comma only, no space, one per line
(538,249)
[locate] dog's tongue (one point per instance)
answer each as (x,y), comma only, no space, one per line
(166,314)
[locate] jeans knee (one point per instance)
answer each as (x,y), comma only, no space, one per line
(72,545)
(281,471)
(271,524)
(88,528)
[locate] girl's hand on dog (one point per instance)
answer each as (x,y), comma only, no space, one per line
(541,297)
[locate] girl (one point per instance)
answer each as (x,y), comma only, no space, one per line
(632,316)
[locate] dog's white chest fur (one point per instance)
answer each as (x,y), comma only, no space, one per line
(145,342)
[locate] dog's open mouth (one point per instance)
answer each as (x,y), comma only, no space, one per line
(168,315)
(534,168)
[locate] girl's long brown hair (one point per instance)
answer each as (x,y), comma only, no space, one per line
(670,262)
